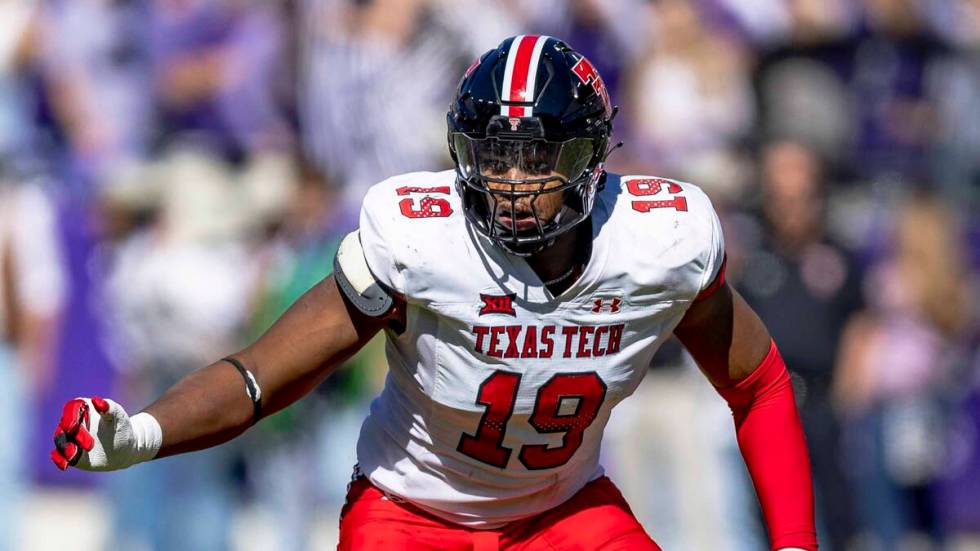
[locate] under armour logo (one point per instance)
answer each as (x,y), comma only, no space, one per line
(498,304)
(600,305)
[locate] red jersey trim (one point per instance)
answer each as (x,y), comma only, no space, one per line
(716,284)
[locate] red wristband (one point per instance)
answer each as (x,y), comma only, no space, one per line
(771,439)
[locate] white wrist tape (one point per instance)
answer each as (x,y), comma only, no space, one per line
(147,435)
(119,440)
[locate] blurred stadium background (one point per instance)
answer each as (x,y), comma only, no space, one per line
(173,173)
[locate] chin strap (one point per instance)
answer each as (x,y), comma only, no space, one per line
(524,250)
(612,148)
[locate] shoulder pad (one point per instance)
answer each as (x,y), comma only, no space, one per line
(355,280)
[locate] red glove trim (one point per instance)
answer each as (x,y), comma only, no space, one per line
(771,439)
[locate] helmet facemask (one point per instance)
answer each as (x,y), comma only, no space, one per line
(523,191)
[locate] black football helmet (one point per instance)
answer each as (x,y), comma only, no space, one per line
(536,105)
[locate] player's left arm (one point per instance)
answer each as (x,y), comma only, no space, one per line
(736,353)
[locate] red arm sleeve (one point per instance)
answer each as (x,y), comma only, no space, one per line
(771,439)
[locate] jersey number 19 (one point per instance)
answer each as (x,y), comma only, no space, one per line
(583,393)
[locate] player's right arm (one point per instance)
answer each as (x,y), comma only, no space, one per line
(212,405)
(323,328)
(312,338)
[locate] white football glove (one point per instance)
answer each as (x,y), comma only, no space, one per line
(97,435)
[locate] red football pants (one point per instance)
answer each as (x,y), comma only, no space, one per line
(597,517)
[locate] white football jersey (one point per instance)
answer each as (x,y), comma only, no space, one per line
(498,392)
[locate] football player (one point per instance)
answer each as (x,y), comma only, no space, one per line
(522,296)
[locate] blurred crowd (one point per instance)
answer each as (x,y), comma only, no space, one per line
(174,173)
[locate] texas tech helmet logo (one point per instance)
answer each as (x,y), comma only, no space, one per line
(586,72)
(498,304)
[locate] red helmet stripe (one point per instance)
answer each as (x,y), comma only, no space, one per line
(520,73)
(518,81)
